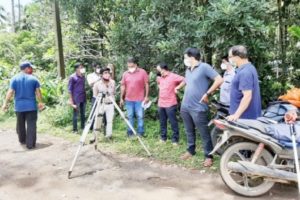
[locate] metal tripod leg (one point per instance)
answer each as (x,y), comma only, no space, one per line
(129,125)
(85,131)
(293,134)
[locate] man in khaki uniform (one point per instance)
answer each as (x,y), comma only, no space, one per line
(105,86)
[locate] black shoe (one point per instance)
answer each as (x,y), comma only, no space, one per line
(92,141)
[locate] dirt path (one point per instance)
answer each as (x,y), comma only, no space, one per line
(42,174)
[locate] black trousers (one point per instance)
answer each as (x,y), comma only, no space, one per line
(26,128)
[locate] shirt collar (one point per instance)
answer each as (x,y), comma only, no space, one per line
(168,73)
(190,69)
(137,70)
(243,66)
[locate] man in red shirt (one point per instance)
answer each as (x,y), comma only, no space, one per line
(134,91)
(168,84)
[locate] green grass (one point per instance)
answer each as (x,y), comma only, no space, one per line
(165,153)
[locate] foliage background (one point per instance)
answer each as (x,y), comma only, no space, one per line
(108,31)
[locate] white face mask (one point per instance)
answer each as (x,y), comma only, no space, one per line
(97,71)
(131,69)
(187,62)
(82,70)
(223,66)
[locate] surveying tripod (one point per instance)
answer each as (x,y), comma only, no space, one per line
(96,115)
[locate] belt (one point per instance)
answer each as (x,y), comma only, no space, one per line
(108,103)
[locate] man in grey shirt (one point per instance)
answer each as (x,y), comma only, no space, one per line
(194,107)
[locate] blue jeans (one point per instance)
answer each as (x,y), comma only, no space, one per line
(199,120)
(164,115)
(81,108)
(134,108)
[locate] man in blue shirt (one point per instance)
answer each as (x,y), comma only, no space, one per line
(245,99)
(194,107)
(25,87)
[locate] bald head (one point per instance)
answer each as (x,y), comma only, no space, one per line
(239,50)
(238,54)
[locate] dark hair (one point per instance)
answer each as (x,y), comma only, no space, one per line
(193,52)
(225,58)
(95,65)
(163,65)
(104,70)
(239,50)
(132,60)
(77,65)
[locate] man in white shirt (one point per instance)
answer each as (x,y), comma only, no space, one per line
(93,78)
(227,77)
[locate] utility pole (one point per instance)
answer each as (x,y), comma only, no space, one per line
(13,25)
(19,11)
(59,43)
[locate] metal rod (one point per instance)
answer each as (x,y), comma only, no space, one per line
(129,125)
(85,132)
(293,132)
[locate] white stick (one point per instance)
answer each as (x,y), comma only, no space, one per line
(293,132)
(129,125)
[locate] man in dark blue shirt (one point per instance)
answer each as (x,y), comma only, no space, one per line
(245,99)
(25,87)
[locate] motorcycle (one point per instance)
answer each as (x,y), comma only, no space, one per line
(254,161)
(219,111)
(274,112)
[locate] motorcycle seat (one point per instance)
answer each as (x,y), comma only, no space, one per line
(253,124)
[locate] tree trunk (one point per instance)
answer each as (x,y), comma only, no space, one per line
(59,44)
(13,28)
(19,12)
(282,36)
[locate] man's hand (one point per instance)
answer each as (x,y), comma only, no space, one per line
(233,117)
(204,98)
(290,117)
(176,90)
(41,106)
(5,107)
(121,102)
(74,106)
(146,100)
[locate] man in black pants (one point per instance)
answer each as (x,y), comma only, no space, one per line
(25,87)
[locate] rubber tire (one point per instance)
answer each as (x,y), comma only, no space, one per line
(227,179)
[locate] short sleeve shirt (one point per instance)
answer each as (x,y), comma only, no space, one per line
(92,79)
(226,87)
(135,84)
(24,86)
(197,82)
(107,89)
(167,85)
(246,78)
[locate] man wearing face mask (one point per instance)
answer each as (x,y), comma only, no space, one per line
(92,79)
(168,84)
(106,86)
(26,89)
(227,77)
(134,91)
(194,107)
(245,92)
(77,95)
